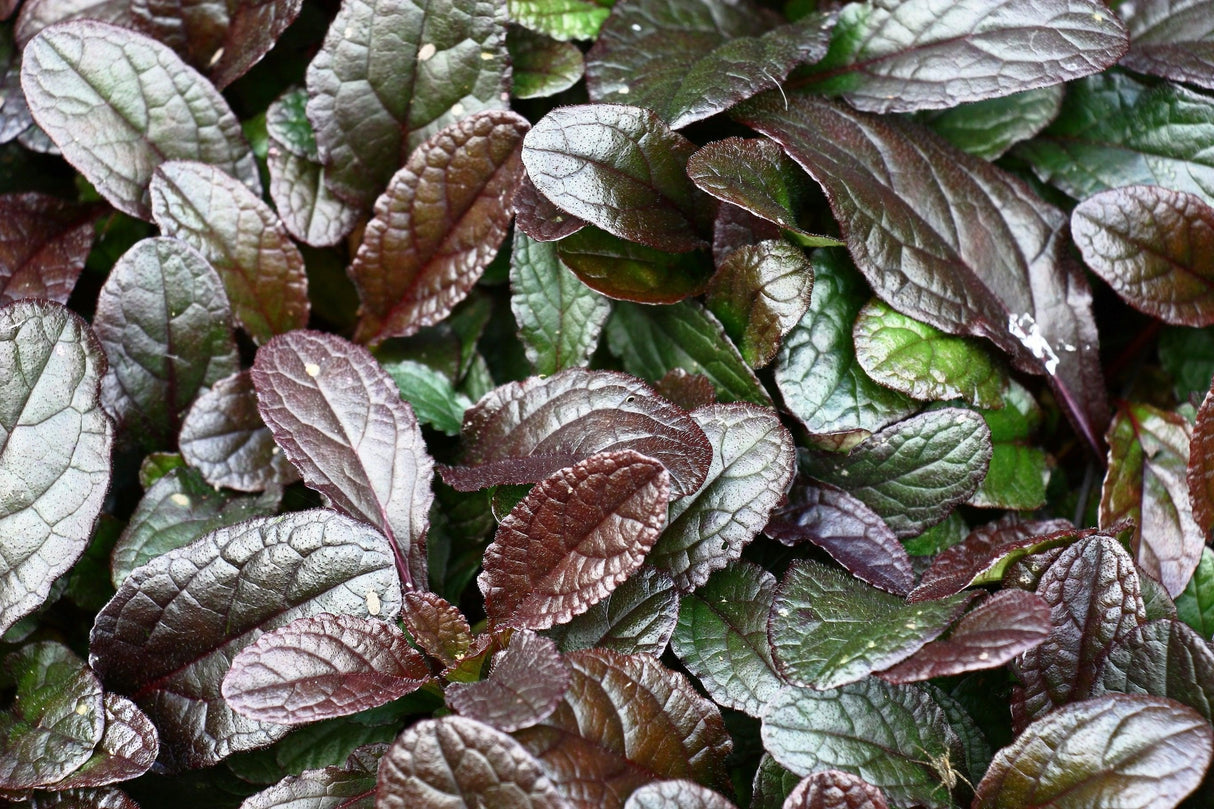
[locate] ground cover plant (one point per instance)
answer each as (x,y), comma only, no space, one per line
(551,403)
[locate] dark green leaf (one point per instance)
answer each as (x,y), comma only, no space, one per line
(1019,468)
(989,128)
(43,244)
(1195,605)
(524,686)
(638,616)
(541,66)
(629,271)
(1164,659)
(772,784)
(1173,39)
(560,19)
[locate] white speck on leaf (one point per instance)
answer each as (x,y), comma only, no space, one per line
(372,602)
(426,51)
(312,369)
(181,500)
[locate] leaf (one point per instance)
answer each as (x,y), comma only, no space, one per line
(540,65)
(55,444)
(1172,39)
(119,104)
(434,400)
(536,216)
(849,531)
(1019,471)
(98,798)
(636,617)
(43,244)
(438,627)
(888,735)
(923,362)
(559,317)
(438,225)
(169,635)
(834,789)
(340,420)
(688,60)
(629,271)
(1162,658)
(816,369)
(559,19)
(626,721)
(262,270)
(56,719)
(1147,482)
(772,784)
(753,464)
(462,763)
(997,272)
(525,431)
(576,536)
(1141,752)
(689,391)
(1195,605)
(1115,131)
(1094,598)
(224,438)
(990,127)
(374,98)
(621,169)
(760,292)
(1003,626)
(676,794)
(914,472)
(348,787)
(721,637)
(888,56)
(1200,471)
(322,666)
(653,340)
(525,684)
(36,15)
(827,629)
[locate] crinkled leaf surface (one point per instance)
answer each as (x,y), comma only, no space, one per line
(989,128)
(577,535)
(638,616)
(164,321)
(348,787)
(913,472)
(463,763)
(676,794)
(38,14)
(560,19)
(625,721)
(118,104)
(688,60)
(753,464)
(437,626)
(687,390)
(524,431)
(524,686)
(540,65)
(1112,751)
(438,225)
(621,169)
(261,268)
(721,637)
(1147,482)
(835,789)
(1163,658)
(169,635)
(849,531)
(322,666)
(772,784)
(536,216)
(340,419)
(128,747)
(630,271)
(55,444)
(56,719)
(391,74)
(998,272)
(43,244)
(1173,39)
(1200,472)
(1019,469)
(1195,605)
(828,629)
(889,56)
(434,400)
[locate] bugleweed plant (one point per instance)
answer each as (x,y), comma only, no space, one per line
(548,403)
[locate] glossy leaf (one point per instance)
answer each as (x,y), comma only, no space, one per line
(676,794)
(127,749)
(1173,39)
(629,271)
(636,617)
(434,400)
(349,787)
(989,128)
(626,721)
(340,420)
(834,789)
(914,472)
(536,216)
(38,14)
(560,19)
(524,431)
(43,244)
(828,629)
(1019,470)
(1147,482)
(437,627)
(559,317)
(621,169)
(98,798)
(322,666)
(438,225)
(576,536)
(998,272)
(1200,472)
(463,763)
(888,56)
(689,391)
(848,530)
(1112,751)
(721,637)
(540,65)
(262,270)
(119,104)
(524,686)
(1162,658)
(225,439)
(753,464)
(218,595)
(1195,605)
(164,321)
(55,444)
(373,98)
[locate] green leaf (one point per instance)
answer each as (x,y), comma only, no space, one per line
(629,271)
(1195,604)
(1187,355)
(923,362)
(1162,658)
(434,399)
(118,104)
(637,617)
(559,19)
(989,128)
(1019,471)
(540,65)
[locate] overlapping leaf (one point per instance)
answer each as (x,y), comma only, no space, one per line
(637,617)
(524,686)
(1173,39)
(434,400)
(118,104)
(1161,658)
(1019,470)
(43,244)
(128,747)
(989,128)
(834,789)
(629,271)
(560,19)
(1200,472)
(55,444)
(38,14)
(1195,606)
(349,787)
(436,626)
(540,65)
(676,794)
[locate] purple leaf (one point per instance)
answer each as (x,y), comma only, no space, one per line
(834,789)
(339,418)
(55,444)
(676,794)
(437,626)
(636,617)
(1163,658)
(1172,39)
(1200,472)
(535,215)
(43,244)
(348,787)
(323,666)
(525,684)
(127,749)
(96,798)
(686,389)
(38,14)
(576,536)
(735,227)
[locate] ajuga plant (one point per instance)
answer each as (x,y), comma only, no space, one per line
(667,404)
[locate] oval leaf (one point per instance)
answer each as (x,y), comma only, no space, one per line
(43,244)
(1162,658)
(1200,472)
(637,617)
(536,216)
(629,271)
(437,626)
(834,789)
(348,787)
(678,794)
(989,128)
(127,749)
(1172,38)
(540,65)
(524,686)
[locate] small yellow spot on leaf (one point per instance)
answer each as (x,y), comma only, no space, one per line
(488,56)
(82,709)
(180,499)
(426,51)
(312,369)
(372,602)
